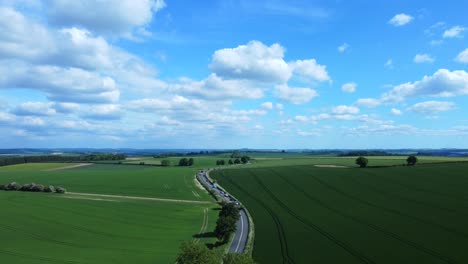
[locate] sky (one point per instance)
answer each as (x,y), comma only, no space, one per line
(233,74)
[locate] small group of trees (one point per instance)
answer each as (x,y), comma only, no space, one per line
(226,223)
(196,253)
(362,161)
(220,162)
(32,187)
(186,162)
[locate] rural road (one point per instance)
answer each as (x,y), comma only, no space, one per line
(242,231)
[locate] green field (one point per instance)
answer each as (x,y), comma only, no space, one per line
(70,228)
(305,214)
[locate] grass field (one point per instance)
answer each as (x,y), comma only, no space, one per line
(305,214)
(55,228)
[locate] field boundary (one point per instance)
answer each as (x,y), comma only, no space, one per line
(138,198)
(70,167)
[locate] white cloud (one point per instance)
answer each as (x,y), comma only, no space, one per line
(389,64)
(423,58)
(310,69)
(443,83)
(400,20)
(64,85)
(104,112)
(343,47)
(6,117)
(295,95)
(301,118)
(396,112)
(432,107)
(349,87)
(267,105)
(34,109)
(254,61)
(104,16)
(279,106)
(217,88)
(368,102)
(66,107)
(344,110)
(454,32)
(462,57)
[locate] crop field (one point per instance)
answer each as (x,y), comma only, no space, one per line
(306,214)
(76,228)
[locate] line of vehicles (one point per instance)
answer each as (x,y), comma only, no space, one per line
(215,187)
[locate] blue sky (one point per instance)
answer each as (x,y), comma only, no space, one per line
(232,74)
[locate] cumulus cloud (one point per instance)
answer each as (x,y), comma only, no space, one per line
(349,87)
(104,112)
(462,57)
(400,20)
(396,112)
(443,83)
(254,61)
(34,109)
(295,95)
(454,32)
(344,110)
(104,16)
(310,69)
(368,102)
(423,58)
(432,107)
(267,105)
(343,47)
(64,85)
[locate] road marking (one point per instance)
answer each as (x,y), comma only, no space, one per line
(242,232)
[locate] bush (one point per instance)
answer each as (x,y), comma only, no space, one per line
(37,188)
(13,186)
(142,163)
(60,190)
(27,187)
(362,162)
(49,189)
(2,187)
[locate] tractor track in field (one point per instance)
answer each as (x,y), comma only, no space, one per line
(418,219)
(139,198)
(390,194)
(361,257)
(39,258)
(279,227)
(204,226)
(411,187)
(370,225)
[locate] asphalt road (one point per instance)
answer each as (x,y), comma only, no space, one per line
(242,231)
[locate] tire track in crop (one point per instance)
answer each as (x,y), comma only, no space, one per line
(370,225)
(39,258)
(279,227)
(204,224)
(361,257)
(418,219)
(411,187)
(44,238)
(403,198)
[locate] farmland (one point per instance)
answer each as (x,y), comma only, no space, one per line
(74,228)
(306,214)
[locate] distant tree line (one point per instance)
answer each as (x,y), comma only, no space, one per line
(243,159)
(59,158)
(32,187)
(186,162)
(358,153)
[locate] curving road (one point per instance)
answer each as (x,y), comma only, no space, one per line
(242,231)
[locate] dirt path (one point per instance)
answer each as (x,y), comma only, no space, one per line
(139,198)
(70,167)
(332,166)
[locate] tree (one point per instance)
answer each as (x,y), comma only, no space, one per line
(190,162)
(245,159)
(225,226)
(222,162)
(183,162)
(362,162)
(237,161)
(196,253)
(165,163)
(229,210)
(233,258)
(412,160)
(230,162)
